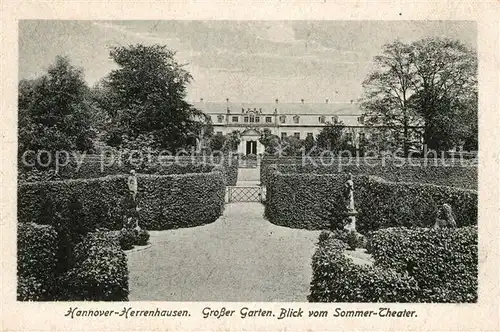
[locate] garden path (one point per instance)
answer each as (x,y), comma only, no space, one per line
(239,257)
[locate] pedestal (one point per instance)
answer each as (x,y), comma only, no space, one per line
(351,220)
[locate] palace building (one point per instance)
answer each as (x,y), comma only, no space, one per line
(282,119)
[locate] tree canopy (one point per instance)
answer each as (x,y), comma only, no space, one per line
(145,95)
(55,111)
(430,83)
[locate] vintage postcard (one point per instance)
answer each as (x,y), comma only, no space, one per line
(274,166)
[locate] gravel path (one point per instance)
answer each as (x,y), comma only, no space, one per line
(240,257)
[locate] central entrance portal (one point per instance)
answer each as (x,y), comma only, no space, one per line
(251,147)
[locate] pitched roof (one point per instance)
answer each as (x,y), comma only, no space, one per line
(283,108)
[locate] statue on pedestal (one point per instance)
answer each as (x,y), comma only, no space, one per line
(349,204)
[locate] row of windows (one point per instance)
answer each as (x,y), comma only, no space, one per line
(282,119)
(297,135)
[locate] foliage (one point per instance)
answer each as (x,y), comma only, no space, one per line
(126,238)
(55,111)
(430,82)
(166,201)
(332,138)
(141,237)
(145,95)
(36,261)
(444,262)
(292,146)
(383,204)
(217,142)
(270,141)
(99,271)
(439,172)
(337,279)
(314,201)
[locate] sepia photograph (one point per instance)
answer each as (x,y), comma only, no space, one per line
(248,161)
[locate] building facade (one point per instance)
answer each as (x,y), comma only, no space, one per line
(282,119)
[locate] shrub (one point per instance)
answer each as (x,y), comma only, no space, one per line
(127,238)
(444,262)
(37,247)
(141,237)
(352,240)
(99,272)
(337,279)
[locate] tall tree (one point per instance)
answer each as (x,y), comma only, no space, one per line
(55,111)
(147,96)
(445,85)
(430,83)
(388,90)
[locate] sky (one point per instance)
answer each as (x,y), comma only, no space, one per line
(245,61)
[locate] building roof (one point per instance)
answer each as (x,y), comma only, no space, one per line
(283,108)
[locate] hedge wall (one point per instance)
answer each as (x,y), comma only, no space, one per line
(384,204)
(308,201)
(36,262)
(337,279)
(99,271)
(444,262)
(166,201)
(91,168)
(313,201)
(454,176)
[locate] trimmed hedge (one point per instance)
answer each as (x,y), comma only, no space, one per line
(77,207)
(36,262)
(166,201)
(384,204)
(308,201)
(91,168)
(337,279)
(444,262)
(313,201)
(453,175)
(99,271)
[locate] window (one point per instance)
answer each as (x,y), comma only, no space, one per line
(297,135)
(362,136)
(268,119)
(235,119)
(219,133)
(220,118)
(245,119)
(349,137)
(282,118)
(257,119)
(321,119)
(296,119)
(335,119)
(252,118)
(283,135)
(361,119)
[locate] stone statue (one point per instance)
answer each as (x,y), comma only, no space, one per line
(131,207)
(349,193)
(444,218)
(132,184)
(349,204)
